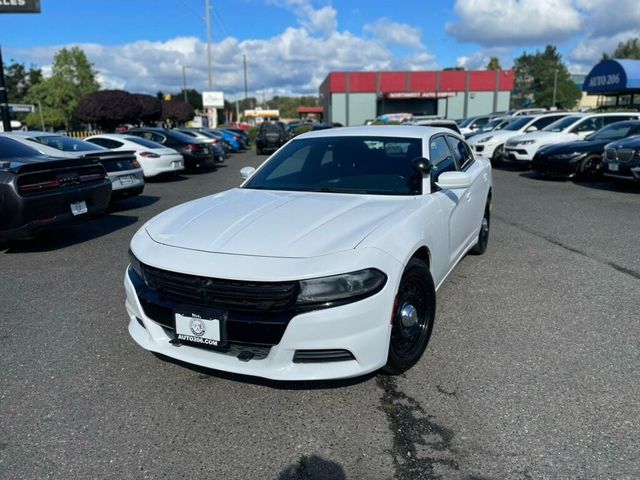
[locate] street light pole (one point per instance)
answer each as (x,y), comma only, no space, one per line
(555,86)
(244,61)
(184,82)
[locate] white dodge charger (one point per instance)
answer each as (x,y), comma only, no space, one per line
(323,264)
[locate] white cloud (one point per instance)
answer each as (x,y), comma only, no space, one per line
(515,22)
(395,33)
(604,17)
(323,20)
(480,59)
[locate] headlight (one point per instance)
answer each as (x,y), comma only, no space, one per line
(136,266)
(486,139)
(568,156)
(526,142)
(341,287)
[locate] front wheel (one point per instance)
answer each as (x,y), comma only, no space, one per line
(497,155)
(483,237)
(589,167)
(413,316)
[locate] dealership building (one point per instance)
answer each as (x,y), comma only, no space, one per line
(352,98)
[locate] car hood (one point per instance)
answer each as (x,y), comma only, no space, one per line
(496,135)
(629,142)
(579,146)
(274,224)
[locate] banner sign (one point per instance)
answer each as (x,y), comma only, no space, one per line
(211,99)
(19,6)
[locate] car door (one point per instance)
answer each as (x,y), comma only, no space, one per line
(466,223)
(451,201)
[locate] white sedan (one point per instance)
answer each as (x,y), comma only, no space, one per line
(323,264)
(154,158)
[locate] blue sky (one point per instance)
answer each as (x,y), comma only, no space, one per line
(291,45)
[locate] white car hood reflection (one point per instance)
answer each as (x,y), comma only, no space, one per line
(275,224)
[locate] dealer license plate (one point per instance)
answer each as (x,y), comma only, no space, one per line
(201,330)
(78,208)
(125,180)
(614,167)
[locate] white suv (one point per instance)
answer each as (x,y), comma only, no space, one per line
(490,145)
(573,127)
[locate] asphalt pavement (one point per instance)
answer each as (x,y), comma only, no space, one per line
(532,372)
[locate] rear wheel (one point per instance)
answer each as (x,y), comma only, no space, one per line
(413,317)
(483,237)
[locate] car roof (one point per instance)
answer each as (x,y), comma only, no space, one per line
(399,131)
(34,133)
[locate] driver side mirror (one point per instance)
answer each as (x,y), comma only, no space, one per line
(532,128)
(246,172)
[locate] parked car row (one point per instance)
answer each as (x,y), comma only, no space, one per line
(49,180)
(567,144)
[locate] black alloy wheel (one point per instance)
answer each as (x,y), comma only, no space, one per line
(413,318)
(589,167)
(483,237)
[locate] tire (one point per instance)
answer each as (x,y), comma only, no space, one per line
(497,153)
(588,167)
(410,333)
(483,237)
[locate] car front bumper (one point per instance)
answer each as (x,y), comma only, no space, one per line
(362,328)
(522,154)
(554,166)
(622,170)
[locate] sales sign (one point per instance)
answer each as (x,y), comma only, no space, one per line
(19,6)
(213,99)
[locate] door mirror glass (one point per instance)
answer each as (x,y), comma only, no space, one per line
(532,128)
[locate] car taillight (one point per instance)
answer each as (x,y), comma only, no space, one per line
(38,186)
(136,164)
(192,148)
(236,138)
(149,155)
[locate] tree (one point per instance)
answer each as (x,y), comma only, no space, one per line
(194,98)
(175,111)
(534,81)
(108,108)
(18,80)
(494,64)
(629,49)
(72,77)
(150,108)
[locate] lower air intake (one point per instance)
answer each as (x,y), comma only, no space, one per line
(322,356)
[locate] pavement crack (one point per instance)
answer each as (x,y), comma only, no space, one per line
(421,447)
(561,244)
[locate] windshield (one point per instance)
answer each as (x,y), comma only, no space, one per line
(518,124)
(466,123)
(613,132)
(487,127)
(144,142)
(361,165)
(66,144)
(560,125)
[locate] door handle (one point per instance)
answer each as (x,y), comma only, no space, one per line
(485,177)
(468,196)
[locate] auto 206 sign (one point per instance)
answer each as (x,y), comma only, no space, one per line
(19,6)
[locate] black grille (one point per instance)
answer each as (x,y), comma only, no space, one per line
(625,155)
(215,292)
(322,356)
(610,154)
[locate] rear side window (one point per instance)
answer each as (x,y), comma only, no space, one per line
(10,148)
(461,152)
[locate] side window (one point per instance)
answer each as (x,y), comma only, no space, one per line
(440,157)
(461,152)
(99,141)
(589,125)
(617,118)
(156,137)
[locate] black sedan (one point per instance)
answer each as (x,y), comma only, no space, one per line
(583,157)
(621,159)
(40,192)
(194,151)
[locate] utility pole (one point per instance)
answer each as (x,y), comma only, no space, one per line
(555,86)
(210,85)
(244,60)
(4,100)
